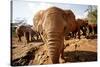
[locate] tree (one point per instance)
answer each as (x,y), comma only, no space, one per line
(92,13)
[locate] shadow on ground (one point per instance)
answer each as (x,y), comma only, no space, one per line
(91,37)
(39,40)
(24,60)
(80,56)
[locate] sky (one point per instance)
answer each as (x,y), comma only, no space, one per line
(27,9)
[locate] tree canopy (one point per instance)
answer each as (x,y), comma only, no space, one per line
(92,14)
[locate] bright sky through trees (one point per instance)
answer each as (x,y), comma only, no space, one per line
(27,9)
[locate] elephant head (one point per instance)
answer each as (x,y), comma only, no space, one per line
(54,22)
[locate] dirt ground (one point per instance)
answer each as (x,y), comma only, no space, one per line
(83,50)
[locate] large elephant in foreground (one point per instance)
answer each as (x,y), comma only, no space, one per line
(26,31)
(53,23)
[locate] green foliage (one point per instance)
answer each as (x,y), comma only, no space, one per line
(92,13)
(13,30)
(13,33)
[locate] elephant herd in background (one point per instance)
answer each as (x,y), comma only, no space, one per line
(52,25)
(26,31)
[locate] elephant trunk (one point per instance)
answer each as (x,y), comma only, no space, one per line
(55,46)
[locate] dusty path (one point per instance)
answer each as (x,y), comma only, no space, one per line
(22,53)
(82,44)
(76,50)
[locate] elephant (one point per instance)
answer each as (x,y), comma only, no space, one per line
(53,23)
(92,28)
(83,25)
(38,24)
(75,26)
(26,31)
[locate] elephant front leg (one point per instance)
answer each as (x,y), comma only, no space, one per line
(27,36)
(37,35)
(79,33)
(19,40)
(32,37)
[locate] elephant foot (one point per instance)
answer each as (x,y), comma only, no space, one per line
(62,61)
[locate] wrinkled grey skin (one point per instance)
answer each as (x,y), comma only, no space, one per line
(53,25)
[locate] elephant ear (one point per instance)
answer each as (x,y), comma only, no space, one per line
(37,20)
(38,17)
(70,16)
